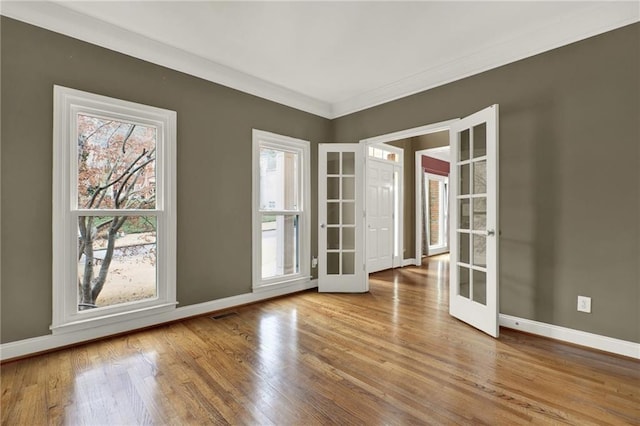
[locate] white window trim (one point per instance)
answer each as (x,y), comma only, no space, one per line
(67,104)
(302,147)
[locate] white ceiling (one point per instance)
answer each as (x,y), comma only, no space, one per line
(328,58)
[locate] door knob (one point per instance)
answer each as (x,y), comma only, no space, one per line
(322,225)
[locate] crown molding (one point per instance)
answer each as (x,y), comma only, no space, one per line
(57,18)
(599,18)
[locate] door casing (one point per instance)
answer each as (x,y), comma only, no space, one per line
(444,225)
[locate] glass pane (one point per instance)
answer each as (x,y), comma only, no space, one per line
(333,188)
(280,245)
(348,163)
(333,213)
(333,263)
(463,246)
(116,164)
(349,238)
(278,179)
(118,253)
(480,140)
(333,238)
(463,278)
(479,250)
(464,178)
(348,213)
(480,177)
(333,163)
(434,212)
(480,214)
(348,264)
(464,145)
(348,188)
(480,287)
(464,212)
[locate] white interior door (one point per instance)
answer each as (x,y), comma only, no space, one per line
(473,189)
(380,207)
(341,246)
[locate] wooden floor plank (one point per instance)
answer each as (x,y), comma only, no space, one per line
(391,356)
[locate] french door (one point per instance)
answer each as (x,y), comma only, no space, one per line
(341,266)
(473,216)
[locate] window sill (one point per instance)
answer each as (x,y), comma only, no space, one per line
(114,318)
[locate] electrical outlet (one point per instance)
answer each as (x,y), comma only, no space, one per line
(314,262)
(584,304)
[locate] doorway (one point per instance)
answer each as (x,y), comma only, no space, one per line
(432,200)
(436,214)
(410,249)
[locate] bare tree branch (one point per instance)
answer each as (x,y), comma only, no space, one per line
(132,173)
(85,224)
(98,282)
(122,176)
(86,138)
(126,138)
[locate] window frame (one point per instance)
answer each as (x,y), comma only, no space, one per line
(301,147)
(68,103)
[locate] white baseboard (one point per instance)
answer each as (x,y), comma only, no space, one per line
(590,340)
(48,342)
(411,261)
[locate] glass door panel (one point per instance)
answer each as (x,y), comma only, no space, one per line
(480,287)
(480,213)
(480,177)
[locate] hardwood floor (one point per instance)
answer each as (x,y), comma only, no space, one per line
(392,356)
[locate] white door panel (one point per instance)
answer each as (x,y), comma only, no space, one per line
(379,215)
(473,186)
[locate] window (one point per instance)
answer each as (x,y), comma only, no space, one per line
(114,219)
(281,210)
(383,154)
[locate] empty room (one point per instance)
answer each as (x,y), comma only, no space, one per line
(279,213)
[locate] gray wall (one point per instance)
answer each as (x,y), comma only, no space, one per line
(214,166)
(569,176)
(569,158)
